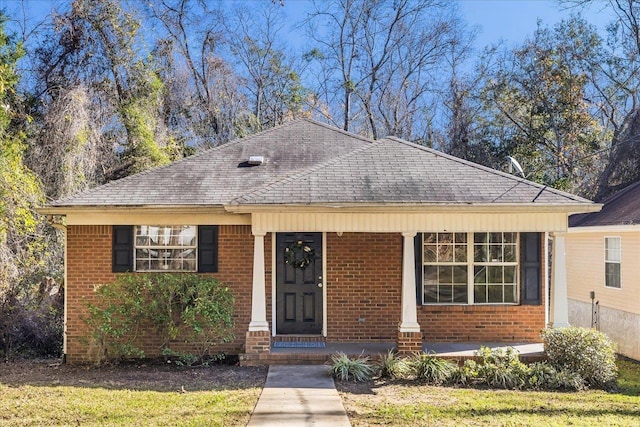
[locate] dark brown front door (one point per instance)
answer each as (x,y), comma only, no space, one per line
(299,283)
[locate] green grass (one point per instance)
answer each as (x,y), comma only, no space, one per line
(409,404)
(50,405)
(39,394)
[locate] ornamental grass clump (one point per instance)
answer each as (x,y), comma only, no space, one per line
(586,352)
(431,369)
(392,366)
(344,368)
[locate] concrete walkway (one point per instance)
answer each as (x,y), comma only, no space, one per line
(299,395)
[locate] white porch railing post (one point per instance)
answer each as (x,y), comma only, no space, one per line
(258,297)
(409,321)
(560,303)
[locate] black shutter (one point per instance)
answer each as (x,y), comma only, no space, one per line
(530,271)
(207,248)
(122,248)
(417,242)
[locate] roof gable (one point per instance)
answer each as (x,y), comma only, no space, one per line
(621,208)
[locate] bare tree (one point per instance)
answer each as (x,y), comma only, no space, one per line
(270,75)
(383,59)
(204,101)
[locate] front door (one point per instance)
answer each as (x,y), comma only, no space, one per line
(299,283)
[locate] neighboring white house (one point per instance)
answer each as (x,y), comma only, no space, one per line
(603,260)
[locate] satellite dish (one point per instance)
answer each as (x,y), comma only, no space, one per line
(513,163)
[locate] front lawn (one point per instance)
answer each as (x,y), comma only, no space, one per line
(402,404)
(41,394)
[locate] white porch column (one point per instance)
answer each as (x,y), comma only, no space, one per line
(258,298)
(559,303)
(409,322)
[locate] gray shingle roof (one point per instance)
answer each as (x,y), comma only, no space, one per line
(216,176)
(621,208)
(307,162)
(395,171)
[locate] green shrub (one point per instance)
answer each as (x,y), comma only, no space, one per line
(392,366)
(586,352)
(466,374)
(346,369)
(197,310)
(431,369)
(501,368)
(542,376)
(569,380)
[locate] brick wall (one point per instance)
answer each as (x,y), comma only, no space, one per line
(364,277)
(455,323)
(89,264)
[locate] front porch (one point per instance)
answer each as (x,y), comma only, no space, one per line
(459,352)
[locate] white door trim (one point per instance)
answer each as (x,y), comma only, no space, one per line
(273,284)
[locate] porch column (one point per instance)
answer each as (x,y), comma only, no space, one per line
(409,321)
(559,303)
(258,298)
(409,336)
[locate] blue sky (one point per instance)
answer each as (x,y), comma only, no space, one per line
(513,20)
(508,20)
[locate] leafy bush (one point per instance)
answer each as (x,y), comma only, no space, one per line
(346,369)
(501,368)
(466,374)
(392,366)
(542,376)
(570,381)
(431,369)
(586,352)
(196,309)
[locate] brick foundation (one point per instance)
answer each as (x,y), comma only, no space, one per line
(257,342)
(409,342)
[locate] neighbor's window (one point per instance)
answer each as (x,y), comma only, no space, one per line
(470,268)
(612,258)
(165,248)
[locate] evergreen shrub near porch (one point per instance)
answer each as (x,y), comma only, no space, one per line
(191,310)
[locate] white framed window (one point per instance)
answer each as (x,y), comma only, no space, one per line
(470,268)
(165,248)
(445,264)
(612,262)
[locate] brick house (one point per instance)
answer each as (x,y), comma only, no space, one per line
(323,233)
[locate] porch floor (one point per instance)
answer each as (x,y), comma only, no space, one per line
(529,352)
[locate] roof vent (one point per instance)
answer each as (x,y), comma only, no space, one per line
(255,160)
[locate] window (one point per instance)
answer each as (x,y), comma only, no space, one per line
(470,268)
(445,268)
(612,259)
(165,248)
